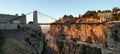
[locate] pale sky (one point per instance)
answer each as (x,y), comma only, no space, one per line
(55,8)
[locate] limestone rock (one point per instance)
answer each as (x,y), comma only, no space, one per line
(84,32)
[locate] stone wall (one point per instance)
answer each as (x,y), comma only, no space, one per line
(6,26)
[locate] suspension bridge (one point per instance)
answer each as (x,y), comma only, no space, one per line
(35,19)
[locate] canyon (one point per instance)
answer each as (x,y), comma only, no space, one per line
(63,38)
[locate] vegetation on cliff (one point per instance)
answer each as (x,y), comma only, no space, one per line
(1,42)
(13,46)
(92,14)
(115,17)
(115,14)
(115,9)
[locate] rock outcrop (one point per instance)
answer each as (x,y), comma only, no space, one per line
(63,38)
(25,40)
(84,32)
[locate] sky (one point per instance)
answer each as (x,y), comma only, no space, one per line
(55,8)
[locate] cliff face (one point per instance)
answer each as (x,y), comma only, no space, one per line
(62,38)
(115,38)
(83,32)
(23,41)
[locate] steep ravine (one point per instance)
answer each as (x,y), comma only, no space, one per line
(84,32)
(59,37)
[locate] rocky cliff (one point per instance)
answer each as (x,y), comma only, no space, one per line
(25,40)
(62,38)
(83,32)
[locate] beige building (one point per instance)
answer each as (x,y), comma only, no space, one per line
(107,14)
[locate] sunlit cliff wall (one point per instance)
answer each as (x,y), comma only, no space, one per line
(91,33)
(84,32)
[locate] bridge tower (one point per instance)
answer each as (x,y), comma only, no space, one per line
(35,17)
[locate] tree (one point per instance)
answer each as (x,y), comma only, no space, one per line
(89,14)
(115,17)
(79,16)
(31,22)
(104,11)
(71,16)
(96,16)
(115,9)
(65,16)
(1,42)
(99,11)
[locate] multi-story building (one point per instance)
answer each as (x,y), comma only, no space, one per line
(107,15)
(5,18)
(8,22)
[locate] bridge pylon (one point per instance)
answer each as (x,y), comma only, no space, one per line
(35,17)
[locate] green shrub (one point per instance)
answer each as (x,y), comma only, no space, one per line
(1,42)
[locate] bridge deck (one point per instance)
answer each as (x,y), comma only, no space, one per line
(66,23)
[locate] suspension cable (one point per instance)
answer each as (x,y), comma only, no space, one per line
(47,15)
(19,17)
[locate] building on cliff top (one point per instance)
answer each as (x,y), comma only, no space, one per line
(10,22)
(107,14)
(5,18)
(104,15)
